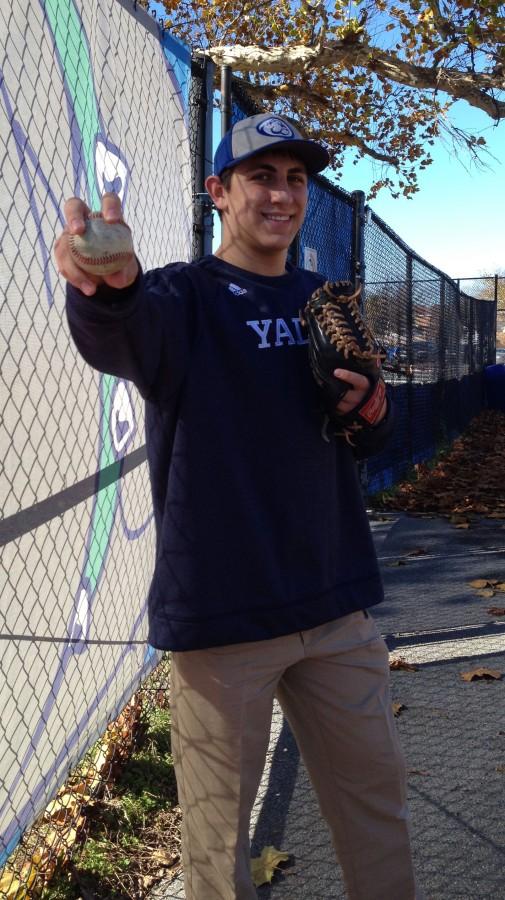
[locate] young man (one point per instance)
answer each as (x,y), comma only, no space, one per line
(265,566)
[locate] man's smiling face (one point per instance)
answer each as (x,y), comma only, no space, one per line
(263,204)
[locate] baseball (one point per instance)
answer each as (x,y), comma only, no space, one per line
(103,248)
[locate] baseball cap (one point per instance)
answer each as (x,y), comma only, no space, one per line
(263,132)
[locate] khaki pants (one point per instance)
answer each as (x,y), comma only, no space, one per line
(333,685)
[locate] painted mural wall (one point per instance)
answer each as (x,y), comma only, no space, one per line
(93,97)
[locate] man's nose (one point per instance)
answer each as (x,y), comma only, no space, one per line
(280,194)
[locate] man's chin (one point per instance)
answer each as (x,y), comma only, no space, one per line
(277,242)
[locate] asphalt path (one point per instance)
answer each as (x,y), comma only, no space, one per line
(452,731)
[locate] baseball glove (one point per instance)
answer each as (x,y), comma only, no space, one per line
(340,339)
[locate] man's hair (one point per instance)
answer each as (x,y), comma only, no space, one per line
(225,177)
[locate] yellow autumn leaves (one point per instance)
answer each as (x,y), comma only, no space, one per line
(264,866)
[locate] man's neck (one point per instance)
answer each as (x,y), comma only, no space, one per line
(273,264)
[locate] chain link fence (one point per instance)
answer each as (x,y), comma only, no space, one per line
(489,287)
(443,337)
(93,97)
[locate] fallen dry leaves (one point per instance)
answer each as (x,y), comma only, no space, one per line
(481,672)
(466,482)
(263,867)
(401,663)
(487,588)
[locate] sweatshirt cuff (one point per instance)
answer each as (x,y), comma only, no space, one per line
(107,299)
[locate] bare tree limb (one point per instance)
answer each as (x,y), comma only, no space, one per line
(478,89)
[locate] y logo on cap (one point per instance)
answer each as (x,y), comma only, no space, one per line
(274,127)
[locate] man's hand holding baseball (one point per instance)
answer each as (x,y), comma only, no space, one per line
(77,214)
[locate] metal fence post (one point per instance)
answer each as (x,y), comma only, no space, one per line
(202,71)
(440,429)
(358,275)
(495,335)
(471,332)
(409,350)
(441,333)
(358,238)
(225,99)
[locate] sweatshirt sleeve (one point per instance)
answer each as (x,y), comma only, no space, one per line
(143,333)
(370,441)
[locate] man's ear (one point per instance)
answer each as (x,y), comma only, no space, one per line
(216,190)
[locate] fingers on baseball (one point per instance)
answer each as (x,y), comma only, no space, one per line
(66,266)
(112,210)
(76,212)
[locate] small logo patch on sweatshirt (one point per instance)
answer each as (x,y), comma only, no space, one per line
(235,289)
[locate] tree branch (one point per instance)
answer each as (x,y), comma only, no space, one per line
(476,88)
(443,25)
(270,92)
(318,9)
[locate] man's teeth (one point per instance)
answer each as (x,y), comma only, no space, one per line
(277,218)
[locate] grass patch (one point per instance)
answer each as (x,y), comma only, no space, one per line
(132,830)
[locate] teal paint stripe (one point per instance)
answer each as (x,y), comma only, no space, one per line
(71,44)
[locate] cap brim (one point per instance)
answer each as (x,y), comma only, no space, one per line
(314,155)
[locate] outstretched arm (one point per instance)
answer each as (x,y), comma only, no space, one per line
(132,325)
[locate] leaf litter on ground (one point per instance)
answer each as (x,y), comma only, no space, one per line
(467,480)
(263,867)
(401,663)
(481,673)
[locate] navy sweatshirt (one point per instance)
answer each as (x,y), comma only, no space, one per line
(261,528)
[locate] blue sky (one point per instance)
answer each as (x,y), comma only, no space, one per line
(457,219)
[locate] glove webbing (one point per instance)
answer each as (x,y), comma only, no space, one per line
(333,322)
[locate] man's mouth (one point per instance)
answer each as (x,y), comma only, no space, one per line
(276,217)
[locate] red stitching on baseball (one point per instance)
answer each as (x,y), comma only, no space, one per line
(97,260)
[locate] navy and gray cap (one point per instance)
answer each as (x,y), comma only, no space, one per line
(263,132)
